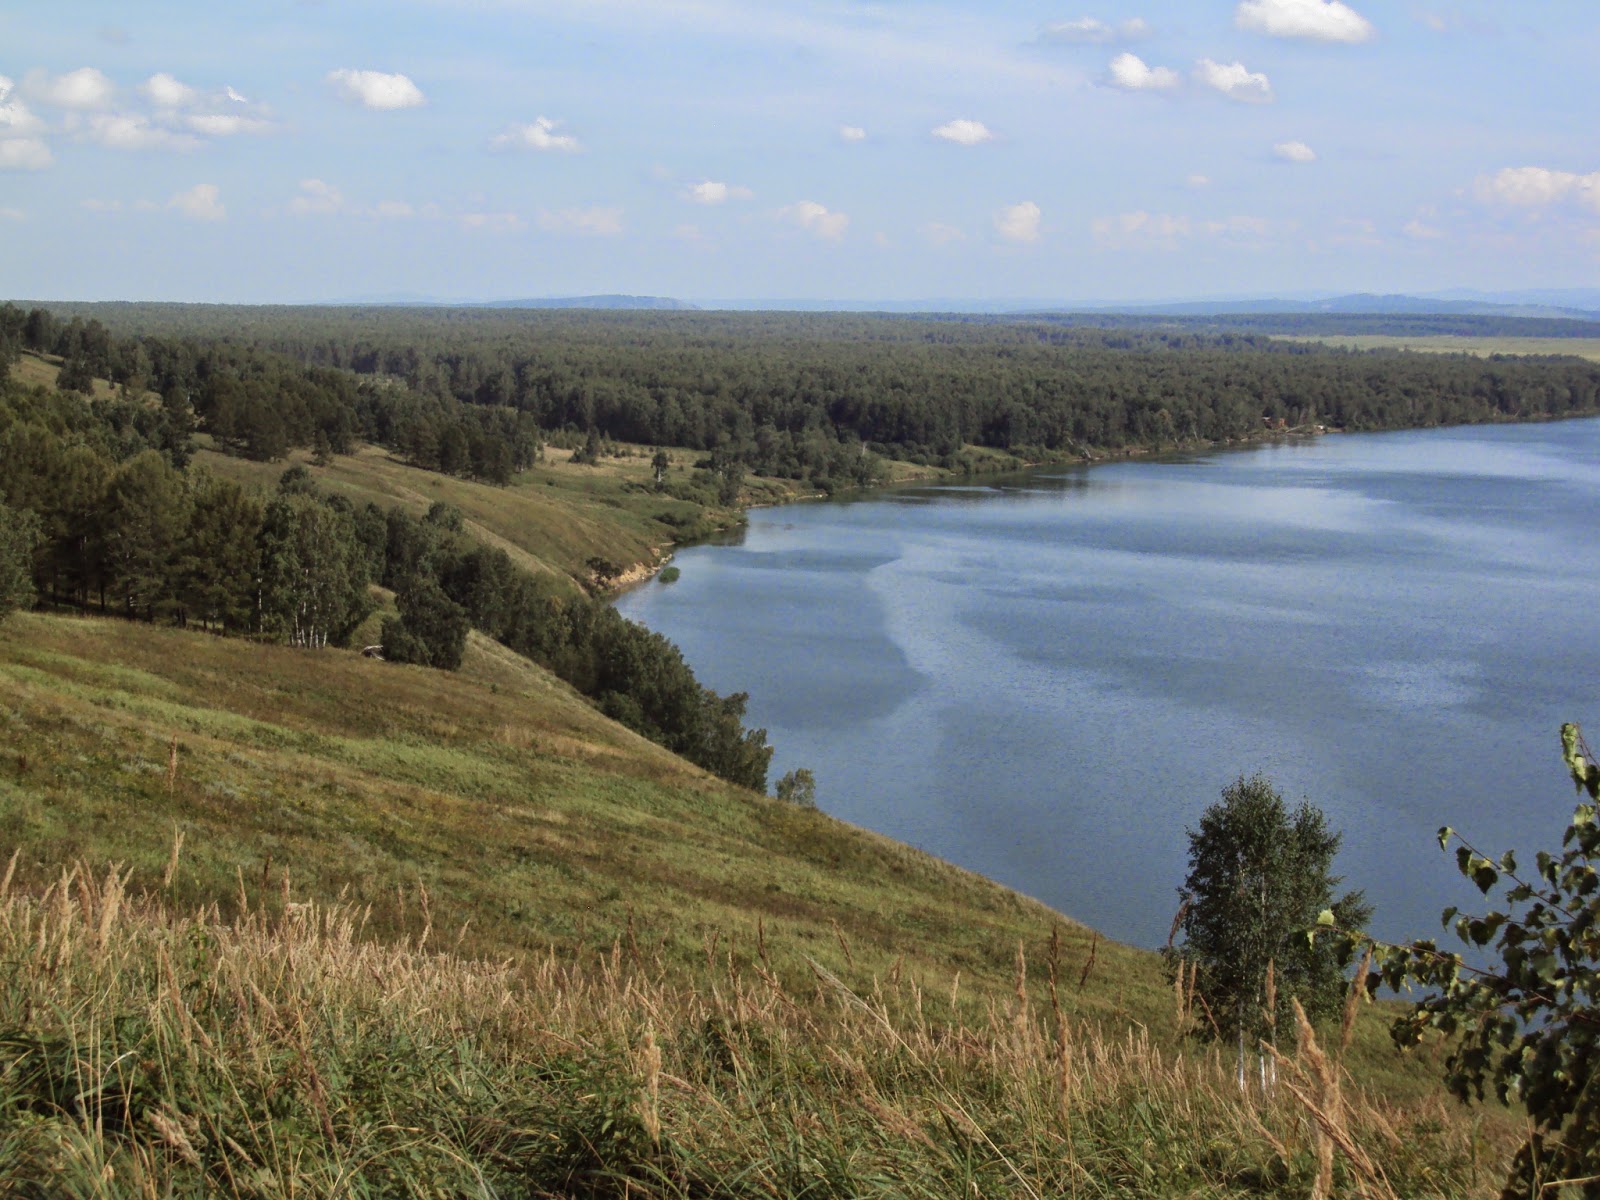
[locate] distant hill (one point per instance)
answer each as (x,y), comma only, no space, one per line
(1360,303)
(609,302)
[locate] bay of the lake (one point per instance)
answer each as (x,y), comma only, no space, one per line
(1047,678)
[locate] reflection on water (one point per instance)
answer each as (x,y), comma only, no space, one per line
(1046,678)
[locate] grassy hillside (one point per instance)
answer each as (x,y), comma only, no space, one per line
(860,1001)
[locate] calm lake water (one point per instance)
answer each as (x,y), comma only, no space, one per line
(1047,678)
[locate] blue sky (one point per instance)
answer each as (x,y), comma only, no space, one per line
(1093,152)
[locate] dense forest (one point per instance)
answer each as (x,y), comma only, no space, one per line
(821,396)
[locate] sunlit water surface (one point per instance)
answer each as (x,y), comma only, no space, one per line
(1046,679)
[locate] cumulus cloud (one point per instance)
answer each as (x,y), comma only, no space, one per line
(852,133)
(1421,231)
(712,192)
(1321,20)
(83,89)
(393,210)
(964,132)
(1295,152)
(375,89)
(817,219)
(1538,187)
(1234,81)
(14,115)
(1131,73)
(540,135)
(588,222)
(24,154)
(202,202)
(1094,32)
(1198,180)
(134,131)
(166,92)
(1018,222)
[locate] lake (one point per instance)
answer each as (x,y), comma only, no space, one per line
(1046,678)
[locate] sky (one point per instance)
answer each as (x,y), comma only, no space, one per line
(1097,152)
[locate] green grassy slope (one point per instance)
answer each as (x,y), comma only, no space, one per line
(527,815)
(495,813)
(532,821)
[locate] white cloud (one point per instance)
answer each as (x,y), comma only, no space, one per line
(941,234)
(1018,222)
(85,88)
(375,89)
(1198,180)
(166,92)
(589,222)
(816,218)
(1321,20)
(1094,32)
(964,132)
(1234,81)
(502,222)
(133,131)
(234,96)
(713,192)
(540,135)
(202,202)
(24,154)
(1129,72)
(1139,225)
(1420,231)
(225,124)
(1538,187)
(852,133)
(103,206)
(316,198)
(1295,152)
(14,115)
(12,214)
(1165,230)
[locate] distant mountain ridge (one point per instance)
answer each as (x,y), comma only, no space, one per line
(609,301)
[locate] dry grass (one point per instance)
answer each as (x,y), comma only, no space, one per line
(280,1052)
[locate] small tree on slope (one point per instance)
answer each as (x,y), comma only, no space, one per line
(1259,876)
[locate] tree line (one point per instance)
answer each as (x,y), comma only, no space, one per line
(822,396)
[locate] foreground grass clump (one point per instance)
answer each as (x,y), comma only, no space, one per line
(281,1052)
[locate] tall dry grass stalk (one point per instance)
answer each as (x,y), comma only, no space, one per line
(283,1051)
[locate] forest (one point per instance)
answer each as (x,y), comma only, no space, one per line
(819,396)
